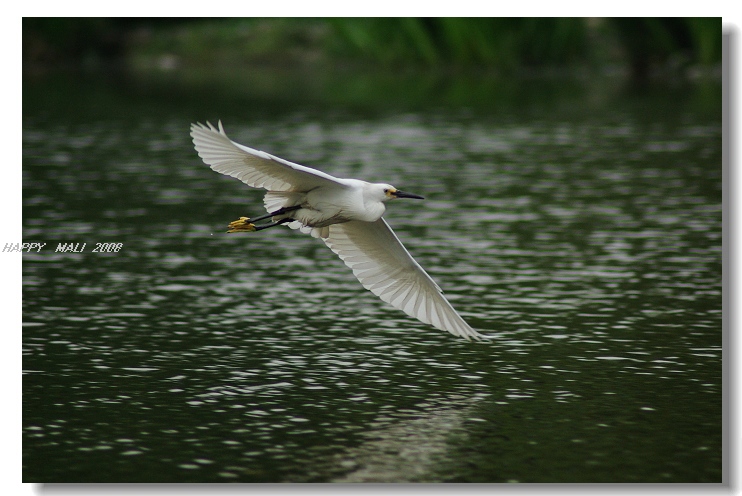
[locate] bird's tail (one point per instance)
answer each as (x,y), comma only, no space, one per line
(275,200)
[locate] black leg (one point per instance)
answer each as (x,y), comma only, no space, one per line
(280,211)
(272,224)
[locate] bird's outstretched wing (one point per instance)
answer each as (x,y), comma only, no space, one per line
(384,266)
(253,167)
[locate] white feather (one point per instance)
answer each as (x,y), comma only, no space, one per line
(347,215)
(384,266)
(253,167)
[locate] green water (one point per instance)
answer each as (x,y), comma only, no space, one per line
(577,222)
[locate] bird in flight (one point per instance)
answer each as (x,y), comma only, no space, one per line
(345,213)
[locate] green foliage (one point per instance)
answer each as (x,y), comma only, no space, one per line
(706,39)
(503,42)
(55,38)
(652,41)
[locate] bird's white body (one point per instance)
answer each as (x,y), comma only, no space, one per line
(346,214)
(346,200)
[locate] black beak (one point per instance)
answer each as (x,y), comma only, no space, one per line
(402,194)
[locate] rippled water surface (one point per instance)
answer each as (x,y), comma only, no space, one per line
(584,236)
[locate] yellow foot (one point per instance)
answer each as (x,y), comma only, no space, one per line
(241,225)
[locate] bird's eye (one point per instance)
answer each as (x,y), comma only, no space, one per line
(386,190)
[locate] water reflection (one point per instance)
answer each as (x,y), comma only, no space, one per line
(404,446)
(591,250)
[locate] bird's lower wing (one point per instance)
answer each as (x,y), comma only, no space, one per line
(253,167)
(383,265)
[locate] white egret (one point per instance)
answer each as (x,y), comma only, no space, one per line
(345,213)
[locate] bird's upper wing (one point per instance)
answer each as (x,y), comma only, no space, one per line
(253,167)
(383,265)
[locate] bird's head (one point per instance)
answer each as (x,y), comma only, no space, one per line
(389,192)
